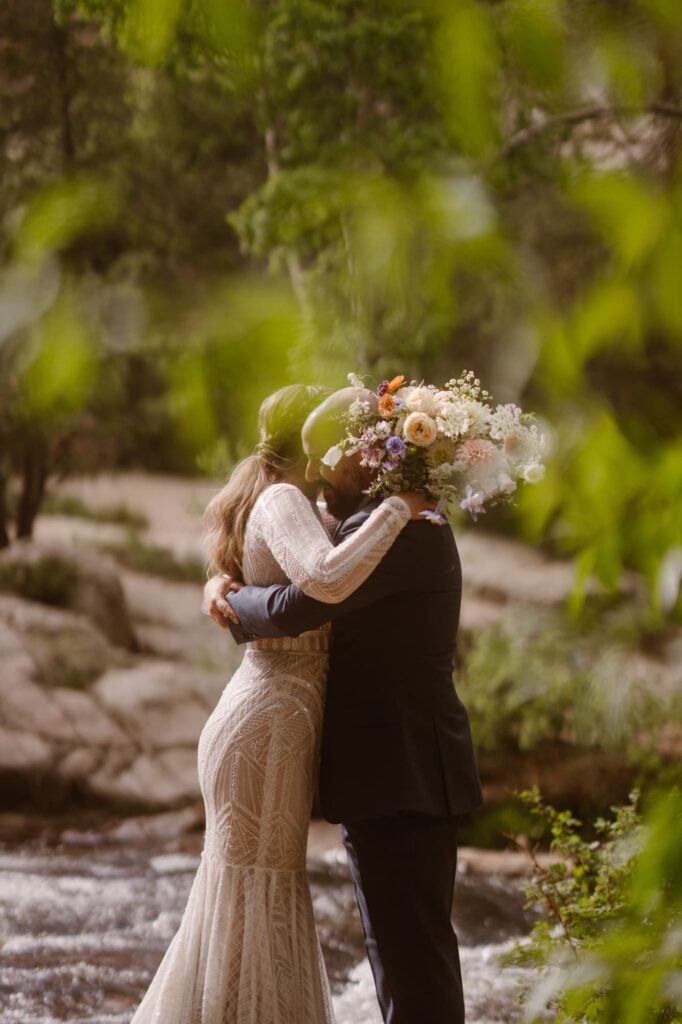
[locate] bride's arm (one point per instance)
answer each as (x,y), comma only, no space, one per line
(299,542)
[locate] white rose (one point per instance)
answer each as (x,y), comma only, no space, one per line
(420,429)
(533,472)
(404,392)
(421,400)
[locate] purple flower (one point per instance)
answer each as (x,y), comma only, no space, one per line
(435,516)
(473,503)
(395,446)
(383,388)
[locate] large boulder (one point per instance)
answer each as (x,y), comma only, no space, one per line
(83,720)
(71,578)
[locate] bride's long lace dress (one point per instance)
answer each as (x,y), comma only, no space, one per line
(247,950)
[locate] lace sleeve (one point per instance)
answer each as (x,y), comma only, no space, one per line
(299,542)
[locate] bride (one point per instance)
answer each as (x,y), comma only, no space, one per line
(246,951)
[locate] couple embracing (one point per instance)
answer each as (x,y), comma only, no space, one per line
(349,615)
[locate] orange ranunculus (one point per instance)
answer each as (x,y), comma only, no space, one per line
(386,406)
(396,383)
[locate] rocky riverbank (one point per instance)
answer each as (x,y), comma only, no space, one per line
(108,672)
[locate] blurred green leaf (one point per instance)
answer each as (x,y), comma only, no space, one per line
(248,341)
(630,214)
(61,363)
(63,212)
(148,32)
(610,314)
(191,401)
(665,284)
(631,69)
(468,61)
(225,25)
(560,371)
(535,34)
(665,12)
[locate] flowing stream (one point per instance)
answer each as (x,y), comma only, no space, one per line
(83,927)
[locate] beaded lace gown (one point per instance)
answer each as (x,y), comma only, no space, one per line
(247,951)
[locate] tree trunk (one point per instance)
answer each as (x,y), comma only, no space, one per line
(61,57)
(4,512)
(293,263)
(34,477)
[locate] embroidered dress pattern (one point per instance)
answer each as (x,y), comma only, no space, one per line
(247,951)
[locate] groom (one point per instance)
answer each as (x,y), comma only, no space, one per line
(397,767)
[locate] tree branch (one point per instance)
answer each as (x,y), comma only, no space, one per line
(575,117)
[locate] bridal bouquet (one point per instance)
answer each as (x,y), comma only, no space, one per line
(449,442)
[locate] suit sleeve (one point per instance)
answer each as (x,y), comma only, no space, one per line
(284,610)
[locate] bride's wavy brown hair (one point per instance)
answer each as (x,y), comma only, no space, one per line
(278,452)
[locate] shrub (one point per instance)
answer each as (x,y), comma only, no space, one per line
(71,505)
(49,580)
(527,686)
(155,561)
(612,935)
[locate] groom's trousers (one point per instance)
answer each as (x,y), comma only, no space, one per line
(404,868)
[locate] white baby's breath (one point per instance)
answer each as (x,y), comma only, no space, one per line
(452,419)
(533,473)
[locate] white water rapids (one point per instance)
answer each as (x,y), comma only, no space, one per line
(82,930)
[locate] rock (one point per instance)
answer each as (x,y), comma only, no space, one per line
(25,706)
(59,716)
(54,647)
(72,578)
(477,613)
(129,736)
(495,568)
(168,778)
(566,776)
(158,703)
(507,863)
(158,826)
(23,751)
(169,623)
(80,763)
(89,720)
(15,659)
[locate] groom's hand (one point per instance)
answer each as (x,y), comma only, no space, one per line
(215,601)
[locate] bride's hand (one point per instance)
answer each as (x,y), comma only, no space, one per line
(215,601)
(417,502)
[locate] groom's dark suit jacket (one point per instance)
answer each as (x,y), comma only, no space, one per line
(396,736)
